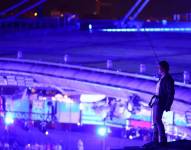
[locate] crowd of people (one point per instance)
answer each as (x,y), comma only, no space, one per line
(36,146)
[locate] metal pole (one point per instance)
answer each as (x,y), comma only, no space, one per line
(13,7)
(140,9)
(29,8)
(130,12)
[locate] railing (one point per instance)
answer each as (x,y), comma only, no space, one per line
(21,24)
(27,115)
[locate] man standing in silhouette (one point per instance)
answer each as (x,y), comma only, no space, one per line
(163,101)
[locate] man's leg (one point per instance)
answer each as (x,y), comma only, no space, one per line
(161,129)
(155,134)
(155,125)
(160,125)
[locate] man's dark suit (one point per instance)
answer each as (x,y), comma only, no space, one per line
(166,92)
(163,102)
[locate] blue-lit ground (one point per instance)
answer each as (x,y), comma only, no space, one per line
(65,135)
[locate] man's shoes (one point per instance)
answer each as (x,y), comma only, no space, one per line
(150,145)
(163,141)
(154,145)
(163,144)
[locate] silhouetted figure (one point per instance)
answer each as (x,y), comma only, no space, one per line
(2,105)
(163,101)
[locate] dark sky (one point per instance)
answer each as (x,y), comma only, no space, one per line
(167,7)
(155,8)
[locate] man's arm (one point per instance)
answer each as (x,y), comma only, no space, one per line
(170,93)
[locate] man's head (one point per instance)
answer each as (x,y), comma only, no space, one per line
(163,67)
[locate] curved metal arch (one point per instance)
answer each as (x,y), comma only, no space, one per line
(90,80)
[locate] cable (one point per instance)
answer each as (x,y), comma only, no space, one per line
(152,48)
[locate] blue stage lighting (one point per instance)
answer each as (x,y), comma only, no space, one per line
(164,22)
(9,119)
(102,131)
(148,30)
(46,133)
(130,137)
(90,27)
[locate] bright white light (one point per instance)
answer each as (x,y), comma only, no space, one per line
(102,131)
(89,98)
(59,97)
(53,98)
(130,107)
(130,137)
(63,98)
(127,114)
(9,119)
(109,130)
(46,133)
(81,106)
(90,27)
(164,22)
(35,14)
